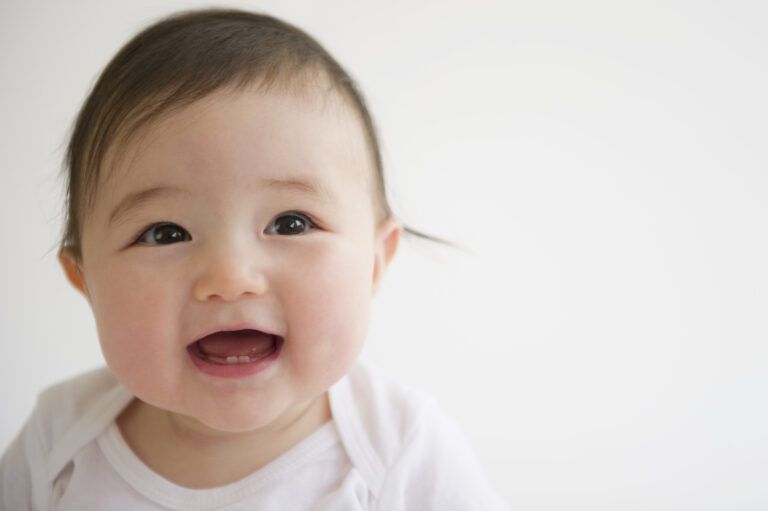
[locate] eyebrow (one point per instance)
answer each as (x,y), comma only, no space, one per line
(134,200)
(303,185)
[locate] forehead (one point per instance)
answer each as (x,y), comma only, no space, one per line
(310,135)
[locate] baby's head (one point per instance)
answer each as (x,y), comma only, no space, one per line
(227,218)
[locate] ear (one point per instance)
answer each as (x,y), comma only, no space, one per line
(387,239)
(73,271)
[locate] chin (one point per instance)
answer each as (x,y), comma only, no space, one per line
(251,418)
(227,425)
(230,422)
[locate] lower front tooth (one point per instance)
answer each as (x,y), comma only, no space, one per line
(244,359)
(232,360)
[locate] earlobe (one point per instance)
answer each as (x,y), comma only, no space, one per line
(387,240)
(73,271)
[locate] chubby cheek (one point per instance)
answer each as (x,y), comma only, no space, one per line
(135,320)
(327,311)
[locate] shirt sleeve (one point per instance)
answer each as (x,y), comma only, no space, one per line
(437,469)
(15,477)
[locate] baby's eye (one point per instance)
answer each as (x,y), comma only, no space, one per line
(163,234)
(290,224)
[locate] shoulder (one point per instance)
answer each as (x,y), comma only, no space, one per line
(381,411)
(388,410)
(375,416)
(66,417)
(63,403)
(412,454)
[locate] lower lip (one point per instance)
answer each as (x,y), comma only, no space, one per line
(234,370)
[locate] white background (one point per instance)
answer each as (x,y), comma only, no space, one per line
(603,343)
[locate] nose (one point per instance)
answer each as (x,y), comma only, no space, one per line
(229,274)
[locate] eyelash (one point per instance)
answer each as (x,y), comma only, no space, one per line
(310,225)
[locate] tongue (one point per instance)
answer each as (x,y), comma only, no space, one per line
(242,342)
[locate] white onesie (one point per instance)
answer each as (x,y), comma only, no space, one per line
(387,448)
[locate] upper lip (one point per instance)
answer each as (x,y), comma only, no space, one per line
(233,328)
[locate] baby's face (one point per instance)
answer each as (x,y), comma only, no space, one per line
(243,212)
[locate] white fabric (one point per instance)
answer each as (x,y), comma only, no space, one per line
(387,449)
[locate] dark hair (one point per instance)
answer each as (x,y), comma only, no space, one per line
(181,59)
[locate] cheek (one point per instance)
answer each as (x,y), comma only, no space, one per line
(133,314)
(328,306)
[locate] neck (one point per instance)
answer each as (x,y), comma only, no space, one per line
(190,454)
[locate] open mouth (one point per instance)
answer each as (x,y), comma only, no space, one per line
(235,353)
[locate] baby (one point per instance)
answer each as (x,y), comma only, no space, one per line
(228,224)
